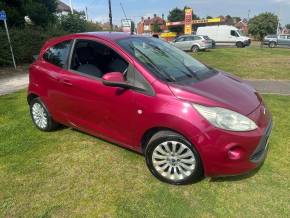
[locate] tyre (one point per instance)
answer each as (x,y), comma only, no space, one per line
(172,159)
(194,48)
(240,45)
(272,44)
(40,116)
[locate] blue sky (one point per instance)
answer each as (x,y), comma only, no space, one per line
(98,9)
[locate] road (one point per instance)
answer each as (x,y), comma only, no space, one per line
(15,82)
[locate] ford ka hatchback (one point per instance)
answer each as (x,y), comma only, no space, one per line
(188,119)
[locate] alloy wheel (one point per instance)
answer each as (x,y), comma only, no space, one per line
(173,160)
(39,115)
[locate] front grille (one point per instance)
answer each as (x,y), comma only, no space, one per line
(261,149)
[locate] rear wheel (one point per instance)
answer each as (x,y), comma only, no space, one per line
(240,45)
(172,159)
(272,44)
(194,48)
(40,116)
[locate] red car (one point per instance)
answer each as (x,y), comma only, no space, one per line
(188,119)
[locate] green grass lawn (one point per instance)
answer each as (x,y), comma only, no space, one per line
(67,173)
(250,63)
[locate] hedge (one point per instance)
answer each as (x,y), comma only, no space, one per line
(26,42)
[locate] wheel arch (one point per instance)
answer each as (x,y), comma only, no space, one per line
(195,44)
(148,134)
(240,42)
(31,96)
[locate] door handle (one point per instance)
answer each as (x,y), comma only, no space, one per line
(66,82)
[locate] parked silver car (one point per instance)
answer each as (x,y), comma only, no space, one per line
(273,40)
(193,43)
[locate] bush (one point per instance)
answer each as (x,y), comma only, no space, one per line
(26,42)
(73,23)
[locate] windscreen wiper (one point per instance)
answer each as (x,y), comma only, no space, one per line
(164,74)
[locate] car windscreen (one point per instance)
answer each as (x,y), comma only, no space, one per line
(165,61)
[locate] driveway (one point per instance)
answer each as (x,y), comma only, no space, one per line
(12,83)
(15,82)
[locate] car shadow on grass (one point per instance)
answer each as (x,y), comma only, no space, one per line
(103,140)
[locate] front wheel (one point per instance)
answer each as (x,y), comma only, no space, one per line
(40,116)
(194,48)
(172,159)
(272,44)
(240,44)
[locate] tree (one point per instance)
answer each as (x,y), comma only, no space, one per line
(263,24)
(156,28)
(41,12)
(74,23)
(14,10)
(229,20)
(177,14)
(208,17)
(237,19)
(288,26)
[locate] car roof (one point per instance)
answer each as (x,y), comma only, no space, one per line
(107,35)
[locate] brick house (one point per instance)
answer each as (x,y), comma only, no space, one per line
(146,25)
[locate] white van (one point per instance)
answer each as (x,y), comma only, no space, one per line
(225,35)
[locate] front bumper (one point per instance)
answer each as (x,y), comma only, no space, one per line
(247,42)
(251,147)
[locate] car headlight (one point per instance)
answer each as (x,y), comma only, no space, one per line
(226,119)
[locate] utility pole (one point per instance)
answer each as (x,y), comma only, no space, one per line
(278,23)
(71,7)
(87,16)
(110,15)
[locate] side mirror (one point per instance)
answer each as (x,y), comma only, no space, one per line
(115,79)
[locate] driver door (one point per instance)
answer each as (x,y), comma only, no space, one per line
(92,106)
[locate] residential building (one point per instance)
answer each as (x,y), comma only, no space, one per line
(147,25)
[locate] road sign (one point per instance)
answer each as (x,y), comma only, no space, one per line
(3,15)
(195,22)
(188,21)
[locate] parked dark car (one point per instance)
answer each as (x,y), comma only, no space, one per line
(188,119)
(273,40)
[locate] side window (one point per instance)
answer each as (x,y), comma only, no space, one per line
(234,33)
(288,37)
(282,37)
(180,39)
(96,59)
(135,78)
(197,38)
(58,54)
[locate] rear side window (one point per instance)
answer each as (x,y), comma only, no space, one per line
(58,54)
(180,39)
